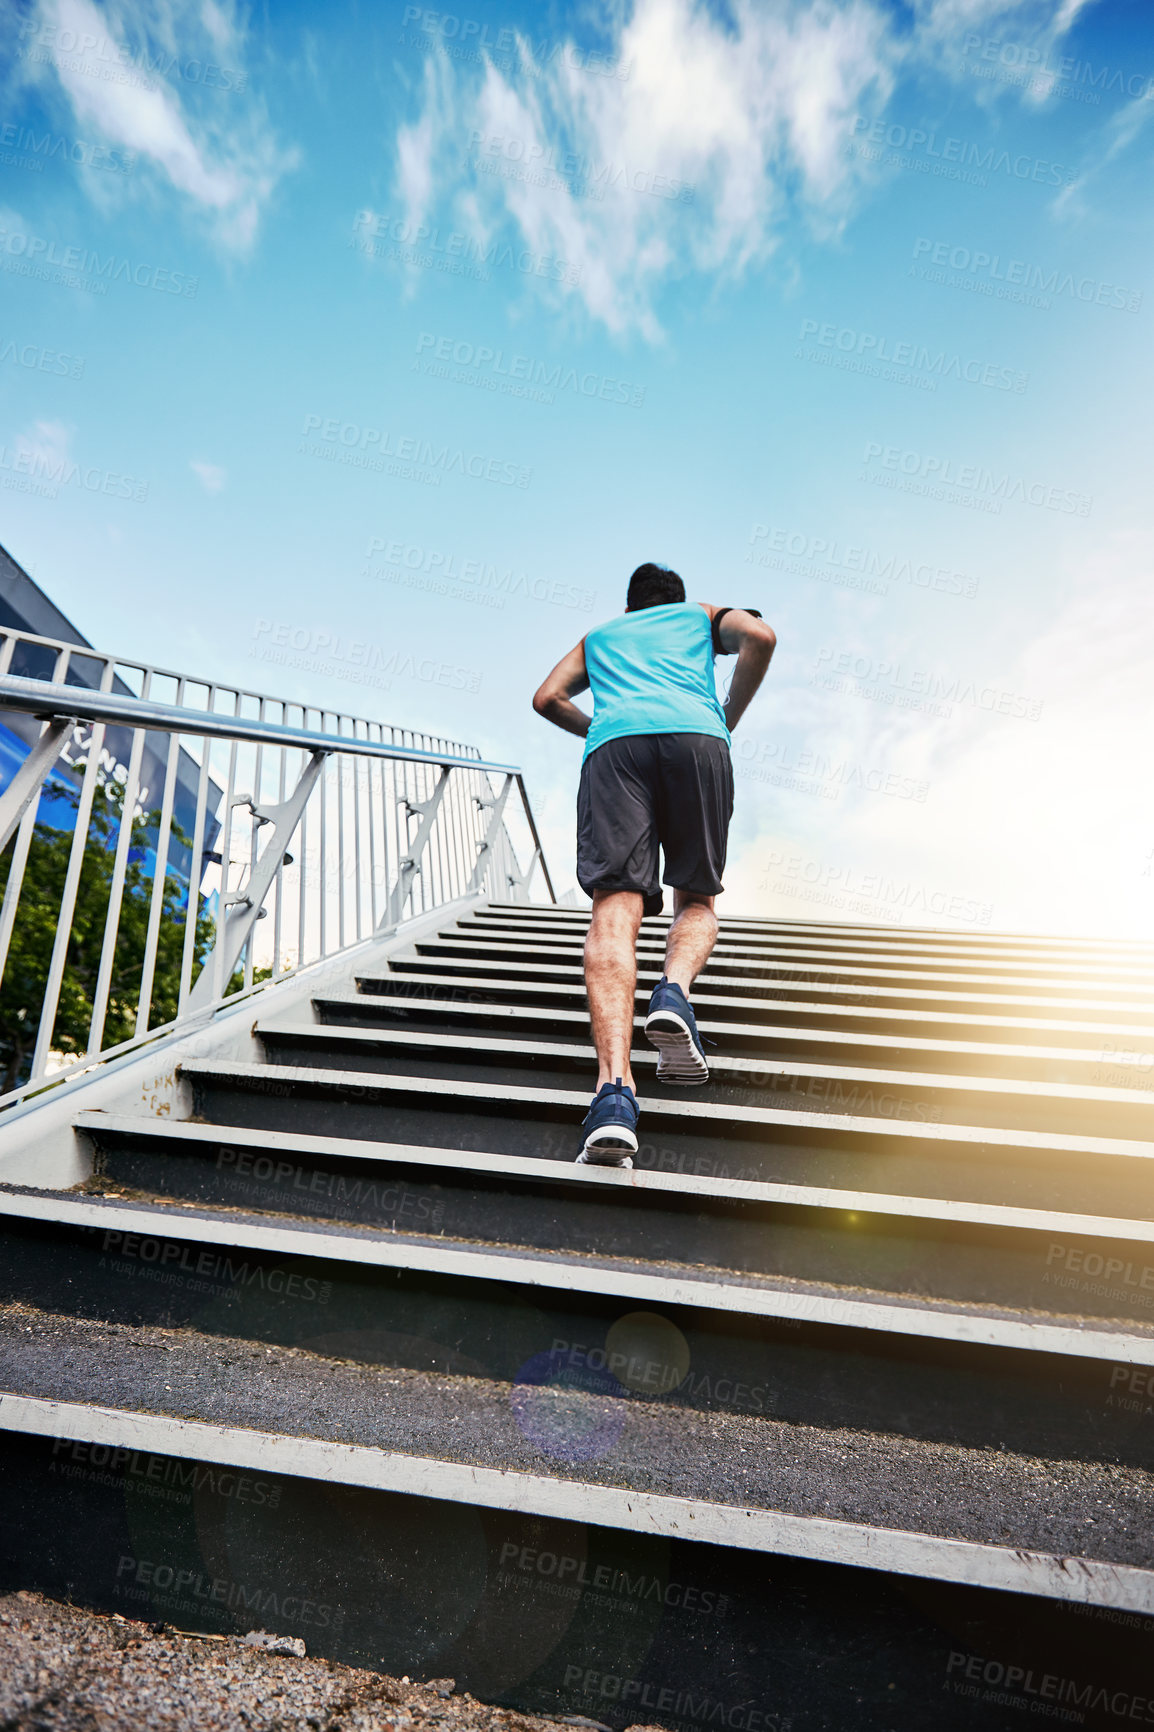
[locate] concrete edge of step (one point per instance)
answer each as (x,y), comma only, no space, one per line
(733,1068)
(428,957)
(529,1170)
(818,946)
(1088,1581)
(367,1083)
(613,1278)
(37,1137)
(841,1039)
(473,942)
(872,929)
(418,983)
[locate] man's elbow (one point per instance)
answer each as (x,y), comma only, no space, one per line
(543,700)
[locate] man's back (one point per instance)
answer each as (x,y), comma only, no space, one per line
(651,672)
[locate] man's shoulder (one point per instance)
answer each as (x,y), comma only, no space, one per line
(642,616)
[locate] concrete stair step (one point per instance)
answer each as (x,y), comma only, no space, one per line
(1036,1525)
(767,962)
(1028,1062)
(931,1373)
(909,950)
(1086,1174)
(534,981)
(1141,953)
(1038,1060)
(1029,1261)
(1080,1107)
(733,974)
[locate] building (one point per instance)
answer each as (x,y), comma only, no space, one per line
(27,610)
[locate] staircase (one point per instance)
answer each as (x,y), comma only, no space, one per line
(837,1411)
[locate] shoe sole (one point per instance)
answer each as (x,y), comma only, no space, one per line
(613,1150)
(591,1158)
(680,1061)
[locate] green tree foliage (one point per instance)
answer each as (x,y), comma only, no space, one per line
(34,933)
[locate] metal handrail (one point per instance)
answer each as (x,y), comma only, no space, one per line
(346,800)
(112,670)
(47,700)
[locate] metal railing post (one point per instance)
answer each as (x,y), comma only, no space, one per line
(115,896)
(159,885)
(67,906)
(538,850)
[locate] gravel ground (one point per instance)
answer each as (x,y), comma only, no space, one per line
(67,1670)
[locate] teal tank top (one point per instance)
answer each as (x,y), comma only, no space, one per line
(651,672)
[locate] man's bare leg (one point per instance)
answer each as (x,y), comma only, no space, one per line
(691,938)
(611,979)
(670,1024)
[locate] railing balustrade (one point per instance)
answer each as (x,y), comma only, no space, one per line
(167,843)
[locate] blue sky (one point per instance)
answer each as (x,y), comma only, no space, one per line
(380,344)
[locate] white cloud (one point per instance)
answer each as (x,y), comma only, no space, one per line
(1123,128)
(218,24)
(721,130)
(120,71)
(739,123)
(948,20)
(1019,43)
(210,475)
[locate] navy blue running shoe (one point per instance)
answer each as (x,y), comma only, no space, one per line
(671,1028)
(610,1127)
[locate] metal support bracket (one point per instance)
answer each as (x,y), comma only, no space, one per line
(418,808)
(410,862)
(520,881)
(245,908)
(264,814)
(26,784)
(497,809)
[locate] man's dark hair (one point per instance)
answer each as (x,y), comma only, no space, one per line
(653,586)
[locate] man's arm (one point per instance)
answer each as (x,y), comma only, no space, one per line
(754,642)
(552,698)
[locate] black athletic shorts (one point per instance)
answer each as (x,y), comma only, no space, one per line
(649,790)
